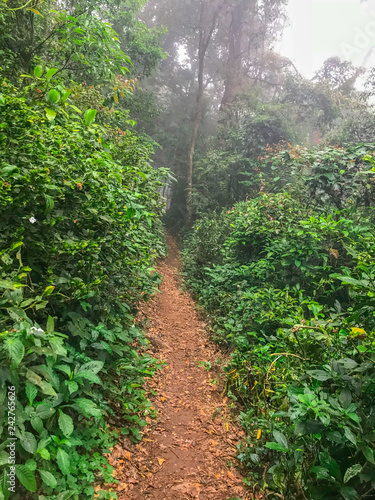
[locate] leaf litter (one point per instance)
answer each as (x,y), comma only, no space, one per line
(189,450)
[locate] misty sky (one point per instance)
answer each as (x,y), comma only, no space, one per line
(323,28)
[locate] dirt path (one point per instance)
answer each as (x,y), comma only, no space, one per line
(188,451)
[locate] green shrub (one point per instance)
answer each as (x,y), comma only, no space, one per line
(80,232)
(291,294)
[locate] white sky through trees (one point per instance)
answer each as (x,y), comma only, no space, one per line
(319,29)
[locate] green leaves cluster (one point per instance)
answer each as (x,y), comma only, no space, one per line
(80,231)
(289,289)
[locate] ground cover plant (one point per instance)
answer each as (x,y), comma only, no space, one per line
(287,282)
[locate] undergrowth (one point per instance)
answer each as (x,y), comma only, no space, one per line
(288,286)
(79,235)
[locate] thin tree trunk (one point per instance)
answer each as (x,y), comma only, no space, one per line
(204,41)
(234,64)
(194,133)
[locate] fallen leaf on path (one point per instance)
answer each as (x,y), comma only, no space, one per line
(231,475)
(161,461)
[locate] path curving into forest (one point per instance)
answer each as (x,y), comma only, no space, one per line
(189,450)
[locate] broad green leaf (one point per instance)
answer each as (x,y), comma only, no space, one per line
(320,375)
(77,110)
(50,204)
(90,376)
(48,478)
(38,70)
(87,407)
(26,477)
(351,281)
(330,464)
(50,73)
(3,458)
(16,351)
(72,386)
(17,244)
(45,410)
(47,388)
(17,314)
(349,493)
(89,116)
(44,453)
(50,320)
(348,363)
(276,447)
(136,434)
(65,495)
(53,96)
(346,397)
(63,461)
(37,424)
(50,114)
(307,399)
(254,458)
(28,442)
(350,435)
(66,424)
(353,471)
(64,368)
(31,464)
(281,438)
(31,392)
(33,377)
(92,366)
(354,417)
(44,442)
(323,473)
(369,454)
(65,96)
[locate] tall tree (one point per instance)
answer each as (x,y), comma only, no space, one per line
(208,18)
(216,48)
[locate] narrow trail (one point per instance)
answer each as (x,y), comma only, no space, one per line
(189,450)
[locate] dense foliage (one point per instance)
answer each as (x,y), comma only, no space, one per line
(281,255)
(80,232)
(287,282)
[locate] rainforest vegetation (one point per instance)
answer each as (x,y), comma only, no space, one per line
(113,111)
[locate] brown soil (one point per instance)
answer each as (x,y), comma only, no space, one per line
(189,450)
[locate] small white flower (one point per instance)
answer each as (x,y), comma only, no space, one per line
(36,330)
(32,220)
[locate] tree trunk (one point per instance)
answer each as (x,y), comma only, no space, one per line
(234,64)
(204,41)
(194,133)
